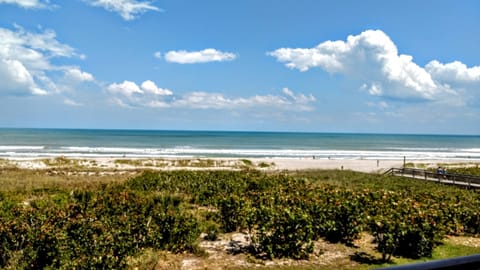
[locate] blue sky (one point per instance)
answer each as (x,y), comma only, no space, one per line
(284,65)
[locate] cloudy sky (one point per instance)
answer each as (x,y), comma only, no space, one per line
(270,65)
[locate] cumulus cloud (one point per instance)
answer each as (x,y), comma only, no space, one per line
(148,94)
(454,72)
(27,3)
(150,87)
(16,79)
(130,95)
(127,88)
(76,74)
(26,62)
(194,57)
(372,58)
(128,9)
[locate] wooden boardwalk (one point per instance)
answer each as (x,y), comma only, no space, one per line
(465,180)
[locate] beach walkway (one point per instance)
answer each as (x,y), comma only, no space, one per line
(465,180)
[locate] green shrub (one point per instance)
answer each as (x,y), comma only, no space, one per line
(233,213)
(283,214)
(287,232)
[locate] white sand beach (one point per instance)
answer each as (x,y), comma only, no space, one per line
(333,164)
(266,164)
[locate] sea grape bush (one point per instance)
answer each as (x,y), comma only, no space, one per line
(405,227)
(405,221)
(283,215)
(233,212)
(287,232)
(95,230)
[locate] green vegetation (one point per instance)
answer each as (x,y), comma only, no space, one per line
(50,222)
(466,170)
(265,165)
(193,163)
(416,165)
(132,162)
(457,168)
(5,163)
(196,163)
(69,163)
(64,162)
(247,162)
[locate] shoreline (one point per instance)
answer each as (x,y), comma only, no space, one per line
(265,164)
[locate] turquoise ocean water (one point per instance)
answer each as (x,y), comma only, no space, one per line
(31,143)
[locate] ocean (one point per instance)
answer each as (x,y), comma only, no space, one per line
(43,143)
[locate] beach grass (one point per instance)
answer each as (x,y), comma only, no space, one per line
(23,180)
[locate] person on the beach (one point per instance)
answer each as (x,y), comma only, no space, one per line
(439,172)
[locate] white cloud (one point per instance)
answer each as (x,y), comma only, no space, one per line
(148,94)
(26,62)
(454,72)
(217,101)
(16,79)
(127,88)
(301,98)
(150,87)
(128,9)
(373,59)
(130,89)
(71,102)
(157,55)
(204,56)
(76,74)
(202,100)
(26,3)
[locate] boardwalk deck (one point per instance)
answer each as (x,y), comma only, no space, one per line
(464,180)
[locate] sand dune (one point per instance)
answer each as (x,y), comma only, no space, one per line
(361,165)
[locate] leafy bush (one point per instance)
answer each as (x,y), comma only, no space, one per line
(466,170)
(286,232)
(95,230)
(233,213)
(283,214)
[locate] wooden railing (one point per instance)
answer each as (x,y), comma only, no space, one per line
(446,178)
(465,262)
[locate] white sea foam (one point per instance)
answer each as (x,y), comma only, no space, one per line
(434,149)
(77,151)
(106,149)
(19,147)
(472,150)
